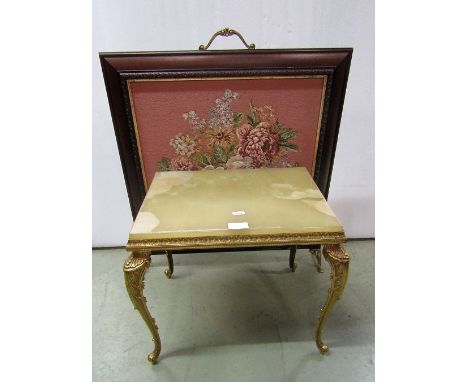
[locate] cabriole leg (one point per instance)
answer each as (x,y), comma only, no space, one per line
(169,271)
(134,272)
(339,264)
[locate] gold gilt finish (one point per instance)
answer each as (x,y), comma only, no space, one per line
(236,241)
(339,264)
(135,268)
(226,32)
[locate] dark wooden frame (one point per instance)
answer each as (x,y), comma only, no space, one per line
(118,68)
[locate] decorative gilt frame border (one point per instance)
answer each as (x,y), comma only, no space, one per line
(133,120)
(119,68)
(236,241)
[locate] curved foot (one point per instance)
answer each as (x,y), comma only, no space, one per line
(152,357)
(168,273)
(323,348)
(294,267)
(339,264)
(134,269)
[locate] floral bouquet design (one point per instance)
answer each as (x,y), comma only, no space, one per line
(231,139)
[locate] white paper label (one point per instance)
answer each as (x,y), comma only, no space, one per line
(241,225)
(238,213)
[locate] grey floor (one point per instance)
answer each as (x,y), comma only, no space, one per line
(239,316)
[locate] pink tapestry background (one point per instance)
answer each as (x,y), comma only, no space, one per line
(159,106)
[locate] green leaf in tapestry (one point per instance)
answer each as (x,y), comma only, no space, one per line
(219,154)
(289,146)
(201,159)
(251,106)
(251,121)
(164,164)
(237,117)
(286,134)
(253,115)
(230,150)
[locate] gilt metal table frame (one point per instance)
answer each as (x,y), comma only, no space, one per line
(139,261)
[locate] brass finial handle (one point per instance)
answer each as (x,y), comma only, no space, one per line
(226,32)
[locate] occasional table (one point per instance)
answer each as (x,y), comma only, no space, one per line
(233,209)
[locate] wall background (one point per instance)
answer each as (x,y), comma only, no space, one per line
(132,25)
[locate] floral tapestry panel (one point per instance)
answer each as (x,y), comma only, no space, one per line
(227,123)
